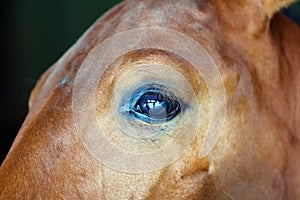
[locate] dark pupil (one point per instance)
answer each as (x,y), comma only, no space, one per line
(157,106)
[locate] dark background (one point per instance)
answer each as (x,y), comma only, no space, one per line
(33,35)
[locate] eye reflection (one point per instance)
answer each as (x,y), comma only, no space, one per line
(156,106)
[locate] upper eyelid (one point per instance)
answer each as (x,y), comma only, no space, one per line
(144,71)
(140,92)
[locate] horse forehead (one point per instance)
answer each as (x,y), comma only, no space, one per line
(194,21)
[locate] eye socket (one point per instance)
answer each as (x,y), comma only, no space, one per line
(155,106)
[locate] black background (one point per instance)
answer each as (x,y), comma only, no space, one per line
(34,34)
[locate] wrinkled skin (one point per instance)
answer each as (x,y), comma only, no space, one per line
(257,155)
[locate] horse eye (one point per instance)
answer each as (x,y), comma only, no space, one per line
(156,107)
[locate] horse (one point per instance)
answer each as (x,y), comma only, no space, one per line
(165,99)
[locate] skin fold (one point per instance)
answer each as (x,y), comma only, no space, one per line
(257,52)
